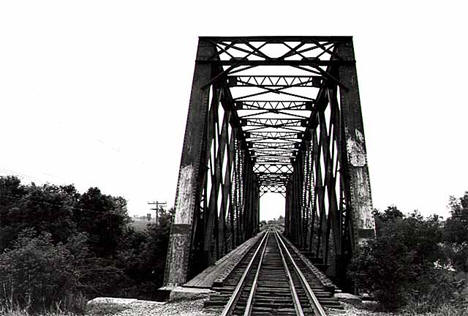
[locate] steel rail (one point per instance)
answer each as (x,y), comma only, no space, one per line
(237,291)
(296,301)
(253,289)
(318,309)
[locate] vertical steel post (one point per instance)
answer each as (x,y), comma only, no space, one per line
(328,198)
(179,248)
(356,156)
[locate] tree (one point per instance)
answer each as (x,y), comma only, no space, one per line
(392,213)
(37,273)
(456,232)
(11,191)
(401,258)
(45,208)
(85,238)
(142,255)
(384,268)
(158,241)
(104,218)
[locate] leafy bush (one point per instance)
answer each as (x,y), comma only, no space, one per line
(57,245)
(396,263)
(434,288)
(456,233)
(384,268)
(143,256)
(102,277)
(37,274)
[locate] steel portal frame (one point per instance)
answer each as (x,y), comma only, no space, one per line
(272,114)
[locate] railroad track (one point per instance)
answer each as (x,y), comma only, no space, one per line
(269,281)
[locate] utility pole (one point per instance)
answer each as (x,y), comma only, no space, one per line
(158,207)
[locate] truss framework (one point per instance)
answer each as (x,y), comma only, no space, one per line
(271,114)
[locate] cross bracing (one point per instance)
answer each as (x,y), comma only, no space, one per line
(271,114)
(272,106)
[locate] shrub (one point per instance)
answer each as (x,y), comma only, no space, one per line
(384,269)
(85,246)
(101,277)
(456,233)
(36,274)
(143,256)
(434,288)
(396,263)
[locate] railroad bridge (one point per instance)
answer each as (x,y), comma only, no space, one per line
(272,114)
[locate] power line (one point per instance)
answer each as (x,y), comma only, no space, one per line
(158,207)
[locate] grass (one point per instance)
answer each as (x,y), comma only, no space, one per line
(95,310)
(443,310)
(371,309)
(72,305)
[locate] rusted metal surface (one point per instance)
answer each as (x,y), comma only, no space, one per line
(179,249)
(359,186)
(272,114)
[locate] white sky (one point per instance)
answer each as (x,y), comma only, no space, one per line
(95,93)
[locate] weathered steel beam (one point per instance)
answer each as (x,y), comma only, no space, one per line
(274,105)
(307,145)
(276,39)
(178,258)
(221,137)
(275,81)
(274,62)
(356,155)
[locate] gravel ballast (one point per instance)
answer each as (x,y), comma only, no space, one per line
(149,308)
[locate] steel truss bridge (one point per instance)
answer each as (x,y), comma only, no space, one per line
(272,114)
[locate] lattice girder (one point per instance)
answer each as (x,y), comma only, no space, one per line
(272,114)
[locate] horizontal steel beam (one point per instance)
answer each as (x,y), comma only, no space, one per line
(277,39)
(273,105)
(275,81)
(277,62)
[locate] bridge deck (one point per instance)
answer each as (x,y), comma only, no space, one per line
(273,279)
(222,267)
